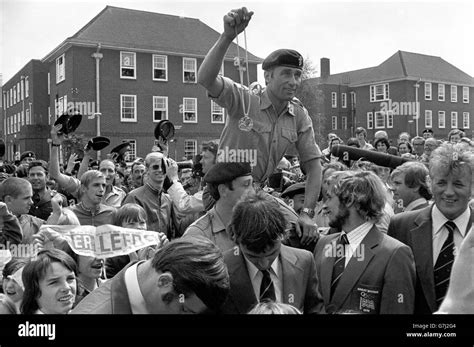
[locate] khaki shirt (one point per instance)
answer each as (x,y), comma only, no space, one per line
(269,135)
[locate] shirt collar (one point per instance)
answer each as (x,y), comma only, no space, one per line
(217,224)
(266,103)
(415,203)
(439,219)
(357,235)
(254,271)
(137,301)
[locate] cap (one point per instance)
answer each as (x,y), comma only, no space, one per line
(98,143)
(296,188)
(164,129)
(227,172)
(8,168)
(120,150)
(427,131)
(27,154)
(283,57)
(210,146)
(69,122)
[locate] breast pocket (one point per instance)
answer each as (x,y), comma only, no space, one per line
(289,134)
(366,299)
(260,134)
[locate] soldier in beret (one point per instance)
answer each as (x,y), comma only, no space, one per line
(263,127)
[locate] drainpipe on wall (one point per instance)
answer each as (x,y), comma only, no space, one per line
(97,56)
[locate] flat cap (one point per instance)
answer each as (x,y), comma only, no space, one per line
(120,151)
(227,172)
(69,122)
(27,154)
(283,57)
(98,143)
(296,188)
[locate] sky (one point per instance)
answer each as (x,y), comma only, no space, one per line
(352,34)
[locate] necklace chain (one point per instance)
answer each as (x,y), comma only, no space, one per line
(241,74)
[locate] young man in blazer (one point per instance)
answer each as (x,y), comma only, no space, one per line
(362,270)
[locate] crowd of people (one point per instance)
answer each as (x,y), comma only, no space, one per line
(306,233)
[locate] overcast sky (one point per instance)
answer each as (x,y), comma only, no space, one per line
(352,34)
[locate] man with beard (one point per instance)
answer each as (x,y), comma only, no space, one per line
(157,204)
(360,268)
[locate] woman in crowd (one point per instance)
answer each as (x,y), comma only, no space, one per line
(13,288)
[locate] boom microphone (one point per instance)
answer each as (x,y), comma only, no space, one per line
(380,159)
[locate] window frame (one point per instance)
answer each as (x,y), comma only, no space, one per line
(165,98)
(214,113)
(128,120)
(195,111)
(194,60)
(428,115)
(155,68)
(61,77)
(134,67)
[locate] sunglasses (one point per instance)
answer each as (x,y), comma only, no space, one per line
(156,167)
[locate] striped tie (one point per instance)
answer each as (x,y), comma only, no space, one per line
(444,263)
(339,264)
(267,290)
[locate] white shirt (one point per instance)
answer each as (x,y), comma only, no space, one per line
(355,237)
(440,232)
(137,301)
(256,277)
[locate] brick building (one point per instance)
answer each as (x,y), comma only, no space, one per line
(385,97)
(126,70)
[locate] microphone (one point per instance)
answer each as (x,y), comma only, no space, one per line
(352,153)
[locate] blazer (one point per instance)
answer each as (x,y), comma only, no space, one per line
(109,298)
(414,228)
(380,279)
(300,283)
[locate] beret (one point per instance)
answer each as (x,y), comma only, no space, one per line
(97,143)
(27,154)
(227,172)
(297,188)
(69,122)
(283,57)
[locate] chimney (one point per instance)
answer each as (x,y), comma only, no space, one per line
(325,70)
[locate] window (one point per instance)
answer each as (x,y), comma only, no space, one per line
(189,70)
(61,106)
(49,116)
(60,69)
(19,122)
(217,113)
(28,120)
(7,103)
(344,123)
(128,108)
(427,91)
(389,119)
(334,99)
(14,123)
(454,120)
(4,100)
(131,155)
(11,97)
(160,108)
(190,148)
(428,119)
(14,95)
(379,92)
(190,110)
(127,65)
(454,93)
(160,67)
(344,100)
(466,124)
(353,99)
(23,117)
(49,86)
(465,95)
(370,120)
(379,120)
(334,123)
(441,119)
(22,88)
(18,90)
(27,87)
(440,92)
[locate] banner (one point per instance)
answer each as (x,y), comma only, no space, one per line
(104,241)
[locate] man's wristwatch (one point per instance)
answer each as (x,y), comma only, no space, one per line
(308,211)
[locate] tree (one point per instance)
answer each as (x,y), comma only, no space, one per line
(312,97)
(309,69)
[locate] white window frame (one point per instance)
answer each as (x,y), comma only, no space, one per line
(334,100)
(216,111)
(454,120)
(466,121)
(132,66)
(131,155)
(186,69)
(344,123)
(22,89)
(7,103)
(161,99)
(428,91)
(441,119)
(185,109)
(190,149)
(60,69)
(370,120)
(122,108)
(465,95)
(428,118)
(18,92)
(389,119)
(14,95)
(441,92)
(27,86)
(49,84)
(334,123)
(4,100)
(344,100)
(379,116)
(28,118)
(11,97)
(49,115)
(454,93)
(155,67)
(376,94)
(14,123)
(23,117)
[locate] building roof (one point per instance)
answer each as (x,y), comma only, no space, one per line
(121,28)
(403,66)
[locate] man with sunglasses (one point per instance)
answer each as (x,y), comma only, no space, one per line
(157,204)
